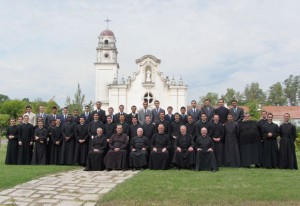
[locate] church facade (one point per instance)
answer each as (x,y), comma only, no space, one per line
(148,83)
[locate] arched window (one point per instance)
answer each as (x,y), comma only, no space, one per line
(106,41)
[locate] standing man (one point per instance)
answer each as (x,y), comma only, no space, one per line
(149,128)
(12,145)
(132,114)
(169,116)
(109,128)
(111,114)
(82,142)
(68,145)
(87,115)
(25,141)
(194,112)
(217,135)
(53,115)
(75,116)
(236,112)
(39,156)
(64,116)
(287,153)
(156,111)
(92,128)
(32,117)
(143,113)
(270,148)
(101,112)
(43,115)
(121,112)
(208,110)
(260,141)
(222,111)
(183,116)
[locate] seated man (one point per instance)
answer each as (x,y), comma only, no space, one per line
(205,157)
(160,144)
(97,152)
(116,157)
(138,146)
(184,150)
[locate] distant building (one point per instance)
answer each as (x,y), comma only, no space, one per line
(147,84)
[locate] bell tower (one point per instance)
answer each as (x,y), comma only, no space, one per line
(106,65)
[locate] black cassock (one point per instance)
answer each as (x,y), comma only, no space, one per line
(132,132)
(205,160)
(191,129)
(199,125)
(125,127)
(217,131)
(109,129)
(81,149)
(159,160)
(39,156)
(113,159)
(270,148)
(260,141)
(68,145)
(92,130)
(95,158)
(12,145)
(149,130)
(56,136)
(287,153)
(249,149)
(223,113)
(185,158)
(231,145)
(138,158)
(25,150)
(166,125)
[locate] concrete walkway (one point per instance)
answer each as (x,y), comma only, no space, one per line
(72,188)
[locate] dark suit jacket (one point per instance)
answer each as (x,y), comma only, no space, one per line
(222,112)
(45,118)
(155,114)
(209,112)
(238,115)
(183,118)
(117,116)
(87,119)
(129,118)
(169,119)
(51,117)
(142,115)
(63,119)
(101,114)
(195,115)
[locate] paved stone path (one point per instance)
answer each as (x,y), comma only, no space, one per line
(72,188)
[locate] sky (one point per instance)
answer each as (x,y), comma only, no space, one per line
(47,47)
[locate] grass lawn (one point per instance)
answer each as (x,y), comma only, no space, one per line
(11,175)
(229,186)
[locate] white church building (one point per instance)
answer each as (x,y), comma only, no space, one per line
(148,83)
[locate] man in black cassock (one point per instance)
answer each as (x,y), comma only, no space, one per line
(248,136)
(92,128)
(49,142)
(260,141)
(148,128)
(12,145)
(25,141)
(217,135)
(160,145)
(202,123)
(109,128)
(270,148)
(231,145)
(116,157)
(184,150)
(97,152)
(174,132)
(82,142)
(287,153)
(39,156)
(222,111)
(205,157)
(163,121)
(138,150)
(56,141)
(68,145)
(124,124)
(190,126)
(132,132)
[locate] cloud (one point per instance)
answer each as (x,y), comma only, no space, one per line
(47,47)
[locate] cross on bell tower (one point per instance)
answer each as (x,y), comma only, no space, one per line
(107,20)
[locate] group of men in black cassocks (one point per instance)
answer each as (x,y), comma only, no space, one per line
(203,139)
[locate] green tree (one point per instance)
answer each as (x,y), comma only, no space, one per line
(13,108)
(4,122)
(213,97)
(36,104)
(51,103)
(253,110)
(3,98)
(276,95)
(253,93)
(230,95)
(292,89)
(77,102)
